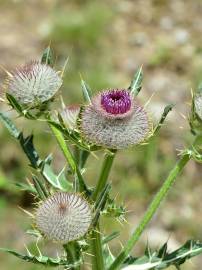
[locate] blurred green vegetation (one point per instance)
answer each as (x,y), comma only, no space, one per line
(96,36)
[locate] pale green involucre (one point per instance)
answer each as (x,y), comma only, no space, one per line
(34,82)
(64,217)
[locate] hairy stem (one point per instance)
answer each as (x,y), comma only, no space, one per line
(96,250)
(150,211)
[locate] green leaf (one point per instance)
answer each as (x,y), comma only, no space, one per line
(64,183)
(73,136)
(9,125)
(167,109)
(47,57)
(23,111)
(80,183)
(30,151)
(14,104)
(28,147)
(40,188)
(136,83)
(163,250)
(26,143)
(108,256)
(58,181)
(114,210)
(86,91)
(110,237)
(100,203)
(162,259)
(26,187)
(44,260)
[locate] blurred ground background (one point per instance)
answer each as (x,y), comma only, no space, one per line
(106,41)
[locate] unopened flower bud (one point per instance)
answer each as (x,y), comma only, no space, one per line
(34,83)
(64,217)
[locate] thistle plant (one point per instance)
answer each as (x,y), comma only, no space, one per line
(69,211)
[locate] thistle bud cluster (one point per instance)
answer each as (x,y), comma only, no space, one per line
(112,119)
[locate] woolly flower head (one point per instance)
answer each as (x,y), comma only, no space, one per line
(34,82)
(64,217)
(114,120)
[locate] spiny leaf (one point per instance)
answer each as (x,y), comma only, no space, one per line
(30,151)
(163,250)
(19,108)
(44,260)
(41,190)
(14,104)
(28,147)
(136,83)
(167,109)
(100,203)
(86,91)
(58,181)
(26,143)
(110,237)
(47,56)
(114,210)
(162,259)
(26,187)
(108,256)
(9,125)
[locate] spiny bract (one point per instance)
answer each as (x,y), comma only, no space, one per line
(114,120)
(64,217)
(33,82)
(69,115)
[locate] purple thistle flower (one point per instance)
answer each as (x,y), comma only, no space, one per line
(34,82)
(64,217)
(116,101)
(115,120)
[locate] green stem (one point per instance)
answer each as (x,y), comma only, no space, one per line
(70,158)
(150,211)
(106,167)
(96,250)
(95,243)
